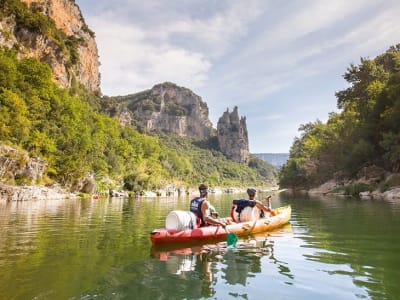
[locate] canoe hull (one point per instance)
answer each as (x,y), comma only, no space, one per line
(209,233)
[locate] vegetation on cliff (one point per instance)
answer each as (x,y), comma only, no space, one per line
(366,132)
(64,128)
(34,20)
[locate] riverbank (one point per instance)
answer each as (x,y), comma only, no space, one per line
(25,193)
(334,188)
(370,183)
(56,192)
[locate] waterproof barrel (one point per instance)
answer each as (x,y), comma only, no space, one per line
(180,220)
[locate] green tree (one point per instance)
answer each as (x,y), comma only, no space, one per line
(14,123)
(364,132)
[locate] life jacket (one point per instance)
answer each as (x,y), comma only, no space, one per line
(195,207)
(240,204)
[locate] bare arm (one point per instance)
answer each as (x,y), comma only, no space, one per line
(261,206)
(205,209)
(264,208)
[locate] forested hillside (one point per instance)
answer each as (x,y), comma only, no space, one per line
(65,128)
(366,132)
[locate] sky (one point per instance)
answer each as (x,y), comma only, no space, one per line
(279,62)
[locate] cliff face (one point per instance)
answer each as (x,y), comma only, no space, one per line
(232,136)
(71,52)
(169,108)
(173,109)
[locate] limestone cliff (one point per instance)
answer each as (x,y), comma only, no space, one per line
(55,32)
(167,108)
(232,136)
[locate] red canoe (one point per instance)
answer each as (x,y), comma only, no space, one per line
(163,236)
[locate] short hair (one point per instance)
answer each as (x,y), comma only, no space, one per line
(251,192)
(203,188)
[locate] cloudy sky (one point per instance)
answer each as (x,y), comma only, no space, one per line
(280,62)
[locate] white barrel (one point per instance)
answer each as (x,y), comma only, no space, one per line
(180,220)
(248,214)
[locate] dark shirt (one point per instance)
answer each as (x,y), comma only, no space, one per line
(195,207)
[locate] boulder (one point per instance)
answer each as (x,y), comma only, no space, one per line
(392,195)
(88,185)
(327,187)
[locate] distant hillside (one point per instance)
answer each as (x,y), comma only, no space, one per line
(275,159)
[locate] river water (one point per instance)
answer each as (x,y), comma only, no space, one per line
(333,248)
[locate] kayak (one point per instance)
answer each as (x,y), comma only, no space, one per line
(164,236)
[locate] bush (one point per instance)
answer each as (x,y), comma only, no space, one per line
(357,188)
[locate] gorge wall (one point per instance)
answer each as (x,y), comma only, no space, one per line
(173,109)
(55,32)
(167,108)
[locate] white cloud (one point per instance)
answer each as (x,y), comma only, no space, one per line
(258,53)
(135,57)
(216,33)
(130,63)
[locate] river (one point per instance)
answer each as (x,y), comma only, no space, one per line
(333,248)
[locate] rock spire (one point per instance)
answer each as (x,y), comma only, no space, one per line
(233,137)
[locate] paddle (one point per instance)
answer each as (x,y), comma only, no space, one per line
(231,238)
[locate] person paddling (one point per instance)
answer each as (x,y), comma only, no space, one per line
(201,207)
(265,209)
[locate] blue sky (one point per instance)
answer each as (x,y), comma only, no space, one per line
(280,62)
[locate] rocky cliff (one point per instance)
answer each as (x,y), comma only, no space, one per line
(16,166)
(55,32)
(167,108)
(232,136)
(173,109)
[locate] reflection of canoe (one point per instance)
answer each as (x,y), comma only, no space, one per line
(209,233)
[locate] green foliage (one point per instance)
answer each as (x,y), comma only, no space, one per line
(364,133)
(14,124)
(194,164)
(263,168)
(175,110)
(356,189)
(8,68)
(65,129)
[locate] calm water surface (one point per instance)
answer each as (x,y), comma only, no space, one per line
(333,248)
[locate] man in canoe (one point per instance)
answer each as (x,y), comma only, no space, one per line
(202,209)
(240,212)
(266,210)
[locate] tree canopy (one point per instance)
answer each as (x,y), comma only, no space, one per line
(365,132)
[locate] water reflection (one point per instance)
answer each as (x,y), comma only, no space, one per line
(215,264)
(100,249)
